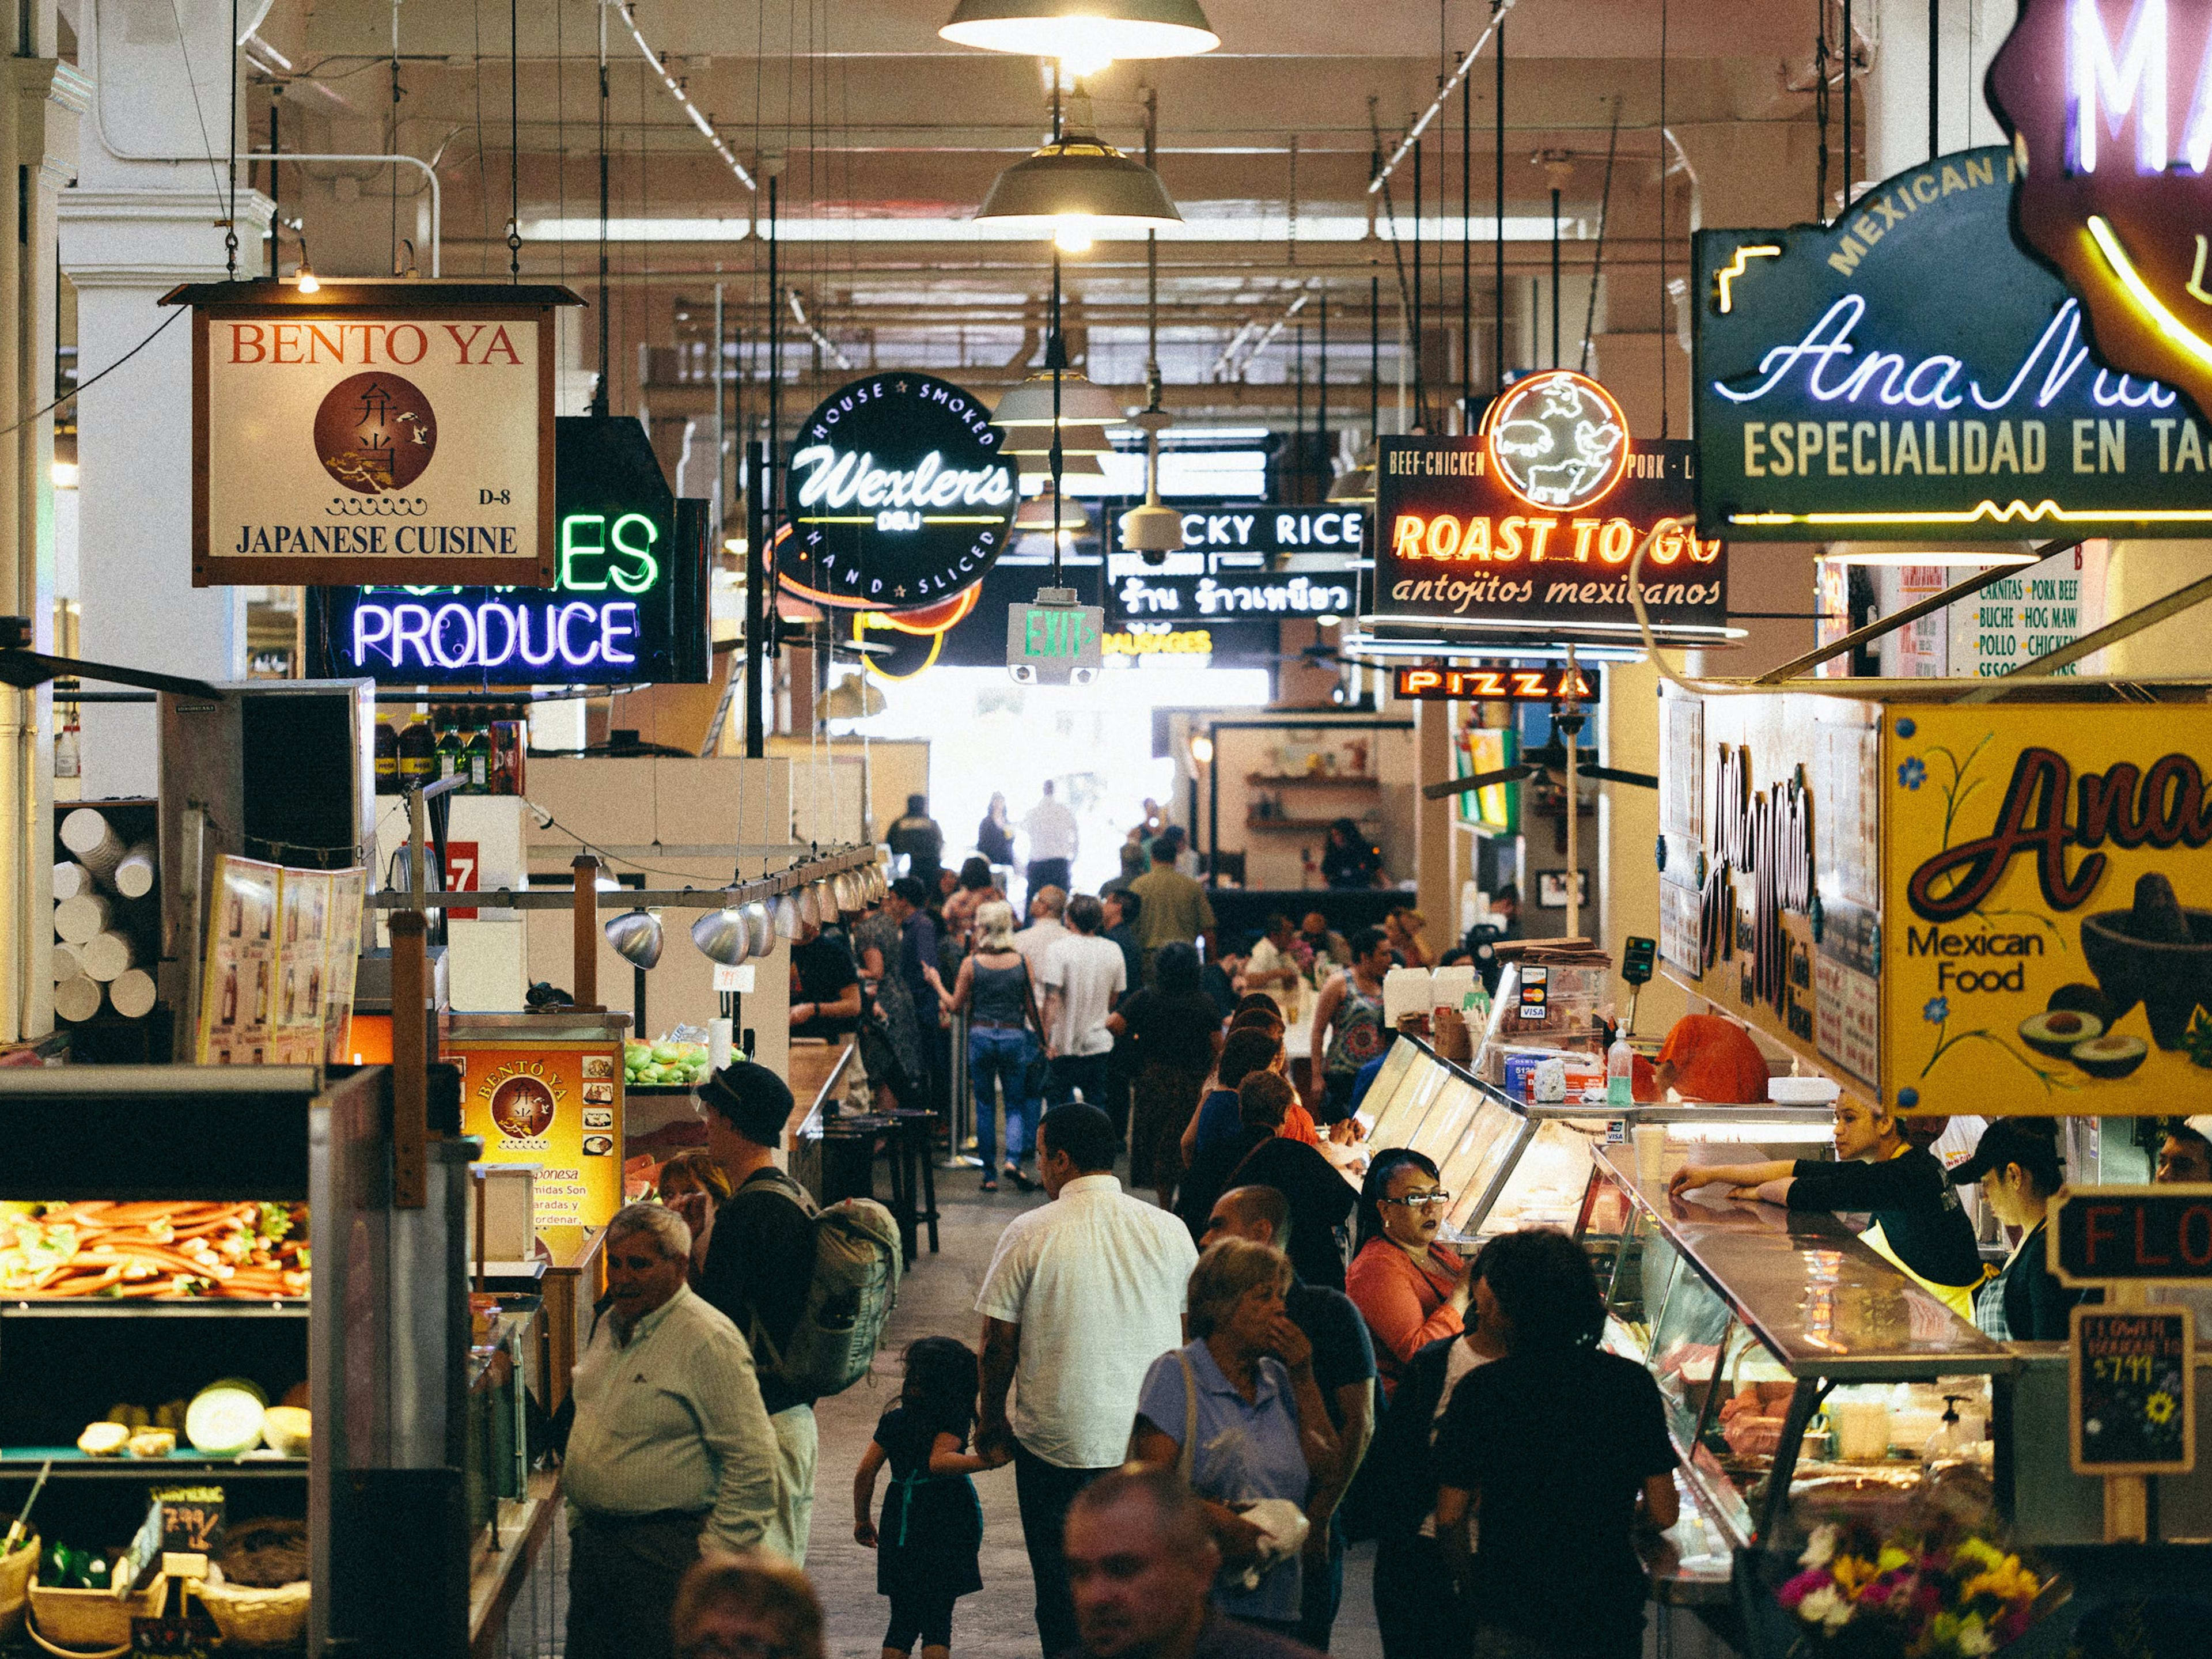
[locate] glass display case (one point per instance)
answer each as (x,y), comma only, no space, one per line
(1510,1164)
(1800,1371)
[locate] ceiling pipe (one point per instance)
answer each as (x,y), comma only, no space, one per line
(1498,9)
(437,197)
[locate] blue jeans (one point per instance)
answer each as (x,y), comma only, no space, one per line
(997,1055)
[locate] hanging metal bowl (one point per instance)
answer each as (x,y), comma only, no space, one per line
(787,917)
(759,928)
(722,938)
(636,935)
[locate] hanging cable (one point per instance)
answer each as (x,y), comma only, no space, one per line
(1666,292)
(1819,116)
(230,220)
(514,145)
(1497,164)
(1604,210)
(599,405)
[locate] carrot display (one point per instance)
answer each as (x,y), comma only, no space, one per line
(235,1248)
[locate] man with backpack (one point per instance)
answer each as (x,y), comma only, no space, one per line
(809,1290)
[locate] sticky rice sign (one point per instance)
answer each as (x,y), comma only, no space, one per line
(393,433)
(2048,942)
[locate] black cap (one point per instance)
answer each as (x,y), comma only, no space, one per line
(751,1099)
(2031,1143)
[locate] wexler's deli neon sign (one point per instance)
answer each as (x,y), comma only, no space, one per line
(627,608)
(2111,106)
(898,495)
(1909,372)
(1524,533)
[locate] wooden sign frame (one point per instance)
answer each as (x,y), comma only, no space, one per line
(2187,1404)
(531,305)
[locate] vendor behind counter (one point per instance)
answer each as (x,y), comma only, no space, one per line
(1883,1168)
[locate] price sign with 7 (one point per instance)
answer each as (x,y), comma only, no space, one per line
(462,863)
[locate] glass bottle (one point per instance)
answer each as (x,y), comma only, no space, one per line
(418,747)
(449,744)
(387,758)
(476,752)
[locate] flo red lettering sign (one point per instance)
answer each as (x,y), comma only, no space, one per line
(386,433)
(2103,1235)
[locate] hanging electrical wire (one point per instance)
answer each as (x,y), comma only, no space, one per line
(1604,210)
(1498,10)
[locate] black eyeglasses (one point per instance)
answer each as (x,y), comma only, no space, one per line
(1420,1200)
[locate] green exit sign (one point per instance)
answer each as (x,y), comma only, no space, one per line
(1054,642)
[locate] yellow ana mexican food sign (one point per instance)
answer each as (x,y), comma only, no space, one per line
(2047,925)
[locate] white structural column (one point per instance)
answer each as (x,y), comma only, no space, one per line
(146,215)
(38,157)
(1895,88)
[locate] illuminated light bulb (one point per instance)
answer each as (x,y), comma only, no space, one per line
(1084,58)
(307,283)
(1072,235)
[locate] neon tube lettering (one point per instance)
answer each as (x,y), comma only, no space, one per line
(485,656)
(411,622)
(570,615)
(617,621)
(371,627)
(536,659)
(447,616)
(2091,74)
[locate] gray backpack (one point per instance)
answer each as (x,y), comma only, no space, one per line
(849,1297)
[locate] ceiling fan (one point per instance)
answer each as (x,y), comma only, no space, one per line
(1548,762)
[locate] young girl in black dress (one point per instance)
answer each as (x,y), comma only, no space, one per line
(932,1529)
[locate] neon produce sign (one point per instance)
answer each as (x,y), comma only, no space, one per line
(628,606)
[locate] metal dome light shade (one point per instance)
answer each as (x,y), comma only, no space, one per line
(1073,465)
(759,928)
(1036,517)
(1088,439)
(636,935)
(1081,404)
(787,918)
(722,938)
(1080,185)
(1088,31)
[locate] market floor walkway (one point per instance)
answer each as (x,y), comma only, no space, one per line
(939,1300)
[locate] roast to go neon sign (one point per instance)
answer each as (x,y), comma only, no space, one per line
(598,554)
(1480,539)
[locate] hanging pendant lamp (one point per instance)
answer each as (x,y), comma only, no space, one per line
(1081,402)
(1073,465)
(1081,187)
(1036,517)
(1086,440)
(1092,32)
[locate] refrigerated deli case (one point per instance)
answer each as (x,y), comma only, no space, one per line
(372,1322)
(1807,1380)
(1508,1164)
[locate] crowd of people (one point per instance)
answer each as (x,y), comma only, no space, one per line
(1189,1402)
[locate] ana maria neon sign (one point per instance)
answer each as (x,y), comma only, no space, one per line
(1839,397)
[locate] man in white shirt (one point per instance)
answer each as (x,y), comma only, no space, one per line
(1082,1296)
(1084,976)
(1045,930)
(671,1454)
(1050,830)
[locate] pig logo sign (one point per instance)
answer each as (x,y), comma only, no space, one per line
(2109,106)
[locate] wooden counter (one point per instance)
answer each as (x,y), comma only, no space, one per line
(574,1279)
(818,1071)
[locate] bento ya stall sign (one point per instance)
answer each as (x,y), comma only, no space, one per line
(1837,397)
(2051,906)
(898,495)
(628,607)
(1527,531)
(371,433)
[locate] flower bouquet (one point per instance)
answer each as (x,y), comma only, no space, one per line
(1932,1587)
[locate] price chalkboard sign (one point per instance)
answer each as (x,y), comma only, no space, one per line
(191,1519)
(2134,1392)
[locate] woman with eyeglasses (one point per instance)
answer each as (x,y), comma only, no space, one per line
(1410,1291)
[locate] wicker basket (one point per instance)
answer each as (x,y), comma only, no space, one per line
(14,1582)
(90,1624)
(250,1618)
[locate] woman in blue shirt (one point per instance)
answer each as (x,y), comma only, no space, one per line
(1238,1411)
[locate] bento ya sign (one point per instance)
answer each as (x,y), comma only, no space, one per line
(898,495)
(372,433)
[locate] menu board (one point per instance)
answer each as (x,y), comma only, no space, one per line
(2134,1392)
(555,1105)
(276,982)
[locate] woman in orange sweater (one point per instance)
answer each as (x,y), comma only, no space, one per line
(1410,1293)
